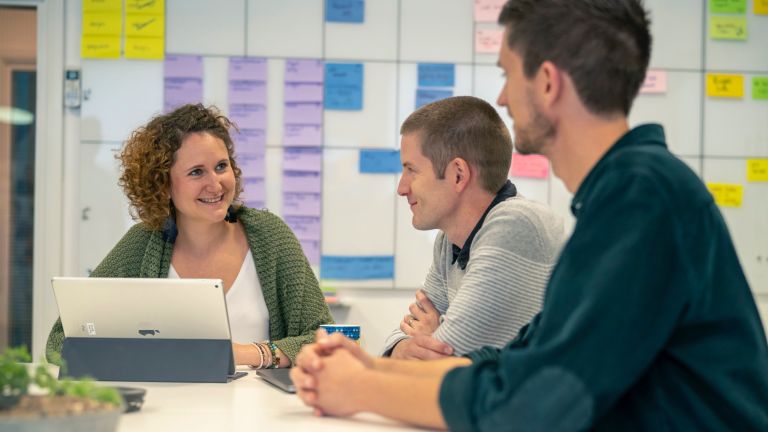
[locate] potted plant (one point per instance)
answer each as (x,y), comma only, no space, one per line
(37,401)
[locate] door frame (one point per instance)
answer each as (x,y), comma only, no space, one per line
(49,164)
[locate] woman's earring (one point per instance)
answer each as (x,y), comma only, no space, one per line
(231,216)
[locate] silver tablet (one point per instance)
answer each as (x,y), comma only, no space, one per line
(142,308)
(279,378)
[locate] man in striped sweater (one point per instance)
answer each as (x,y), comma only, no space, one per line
(495,249)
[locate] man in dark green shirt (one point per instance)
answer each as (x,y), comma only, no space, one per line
(648,322)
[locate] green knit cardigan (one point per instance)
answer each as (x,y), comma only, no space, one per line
(292,294)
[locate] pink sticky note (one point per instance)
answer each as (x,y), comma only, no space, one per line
(488,10)
(655,82)
(488,41)
(535,166)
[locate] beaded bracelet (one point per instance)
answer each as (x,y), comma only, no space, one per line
(275,356)
(262,354)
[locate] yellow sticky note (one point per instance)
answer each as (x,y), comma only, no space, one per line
(726,195)
(728,27)
(725,85)
(102,5)
(144,48)
(144,25)
(757,170)
(102,24)
(152,7)
(102,47)
(761,7)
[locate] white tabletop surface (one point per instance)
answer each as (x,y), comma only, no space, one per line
(246,404)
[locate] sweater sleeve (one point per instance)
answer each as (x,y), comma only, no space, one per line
(601,326)
(502,289)
(299,299)
(122,261)
(434,287)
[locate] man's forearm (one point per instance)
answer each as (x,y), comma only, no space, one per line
(403,397)
(431,368)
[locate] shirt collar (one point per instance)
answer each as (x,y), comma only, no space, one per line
(462,254)
(647,134)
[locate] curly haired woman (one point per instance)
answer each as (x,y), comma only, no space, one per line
(181,177)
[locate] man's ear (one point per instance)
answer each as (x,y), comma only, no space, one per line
(548,84)
(459,173)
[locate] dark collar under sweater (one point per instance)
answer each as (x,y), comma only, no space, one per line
(462,254)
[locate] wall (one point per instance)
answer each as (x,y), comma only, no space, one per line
(361,214)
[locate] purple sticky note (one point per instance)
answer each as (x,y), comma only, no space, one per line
(303,70)
(183,66)
(305,227)
(180,91)
(302,135)
(303,113)
(254,189)
(247,139)
(301,204)
(247,69)
(302,181)
(303,92)
(248,92)
(249,116)
(252,165)
(311,250)
(254,203)
(302,159)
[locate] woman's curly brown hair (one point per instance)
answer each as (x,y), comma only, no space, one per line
(147,156)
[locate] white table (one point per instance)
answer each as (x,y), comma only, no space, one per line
(246,404)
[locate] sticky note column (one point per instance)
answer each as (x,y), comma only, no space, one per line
(102,29)
(247,95)
(145,29)
(436,81)
(302,157)
(182,81)
(488,35)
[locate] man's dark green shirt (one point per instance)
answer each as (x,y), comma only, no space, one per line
(648,322)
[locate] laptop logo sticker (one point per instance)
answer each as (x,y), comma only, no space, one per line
(146,332)
(89,328)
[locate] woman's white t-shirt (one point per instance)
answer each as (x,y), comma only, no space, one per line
(248,314)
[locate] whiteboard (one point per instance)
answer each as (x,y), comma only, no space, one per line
(361,213)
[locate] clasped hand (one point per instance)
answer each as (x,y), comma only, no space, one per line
(423,317)
(325,371)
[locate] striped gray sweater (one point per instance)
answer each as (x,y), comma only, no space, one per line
(502,287)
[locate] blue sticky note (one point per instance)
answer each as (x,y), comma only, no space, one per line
(437,75)
(425,96)
(357,267)
(380,161)
(346,11)
(344,86)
